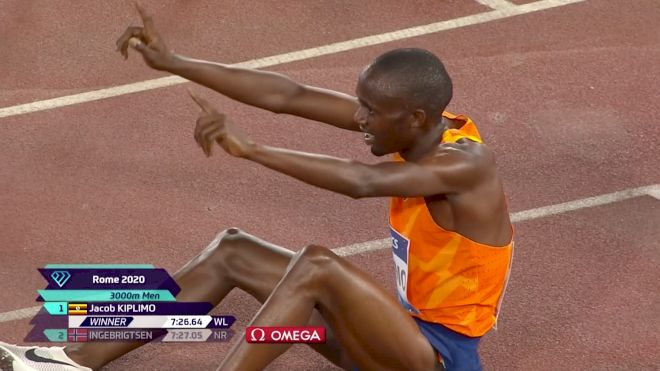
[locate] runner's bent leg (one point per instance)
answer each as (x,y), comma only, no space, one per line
(233,259)
(370,325)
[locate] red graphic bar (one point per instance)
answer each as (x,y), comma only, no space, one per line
(299,334)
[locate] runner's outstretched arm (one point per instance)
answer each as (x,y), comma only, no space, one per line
(448,171)
(268,90)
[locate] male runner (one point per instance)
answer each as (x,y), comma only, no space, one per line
(451,233)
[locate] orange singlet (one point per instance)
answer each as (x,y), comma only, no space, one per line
(443,277)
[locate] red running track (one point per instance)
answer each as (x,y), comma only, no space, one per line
(566,97)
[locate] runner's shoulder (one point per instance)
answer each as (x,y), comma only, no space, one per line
(465,151)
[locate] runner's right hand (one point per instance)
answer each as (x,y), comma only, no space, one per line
(147,41)
(213,126)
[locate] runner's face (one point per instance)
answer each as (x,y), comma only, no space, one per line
(384,119)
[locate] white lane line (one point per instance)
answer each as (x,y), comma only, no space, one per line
(359,248)
(17,314)
(521,216)
(496,4)
(584,203)
(654,191)
(293,56)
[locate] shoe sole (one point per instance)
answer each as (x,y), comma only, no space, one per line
(10,362)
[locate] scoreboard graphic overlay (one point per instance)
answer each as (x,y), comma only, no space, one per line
(120,302)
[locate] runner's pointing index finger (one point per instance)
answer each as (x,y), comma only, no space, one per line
(201,102)
(149,29)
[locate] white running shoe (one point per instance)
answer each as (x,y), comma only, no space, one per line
(19,358)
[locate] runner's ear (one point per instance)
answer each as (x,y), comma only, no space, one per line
(418,118)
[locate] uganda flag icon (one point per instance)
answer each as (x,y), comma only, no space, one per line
(77,309)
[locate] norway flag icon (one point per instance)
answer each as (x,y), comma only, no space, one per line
(77,335)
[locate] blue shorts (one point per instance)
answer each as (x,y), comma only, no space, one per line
(458,352)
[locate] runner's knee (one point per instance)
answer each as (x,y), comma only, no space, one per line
(226,248)
(317,255)
(314,263)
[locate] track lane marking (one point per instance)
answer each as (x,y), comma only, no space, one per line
(520,216)
(328,49)
(496,4)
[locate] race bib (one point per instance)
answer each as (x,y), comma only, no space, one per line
(400,251)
